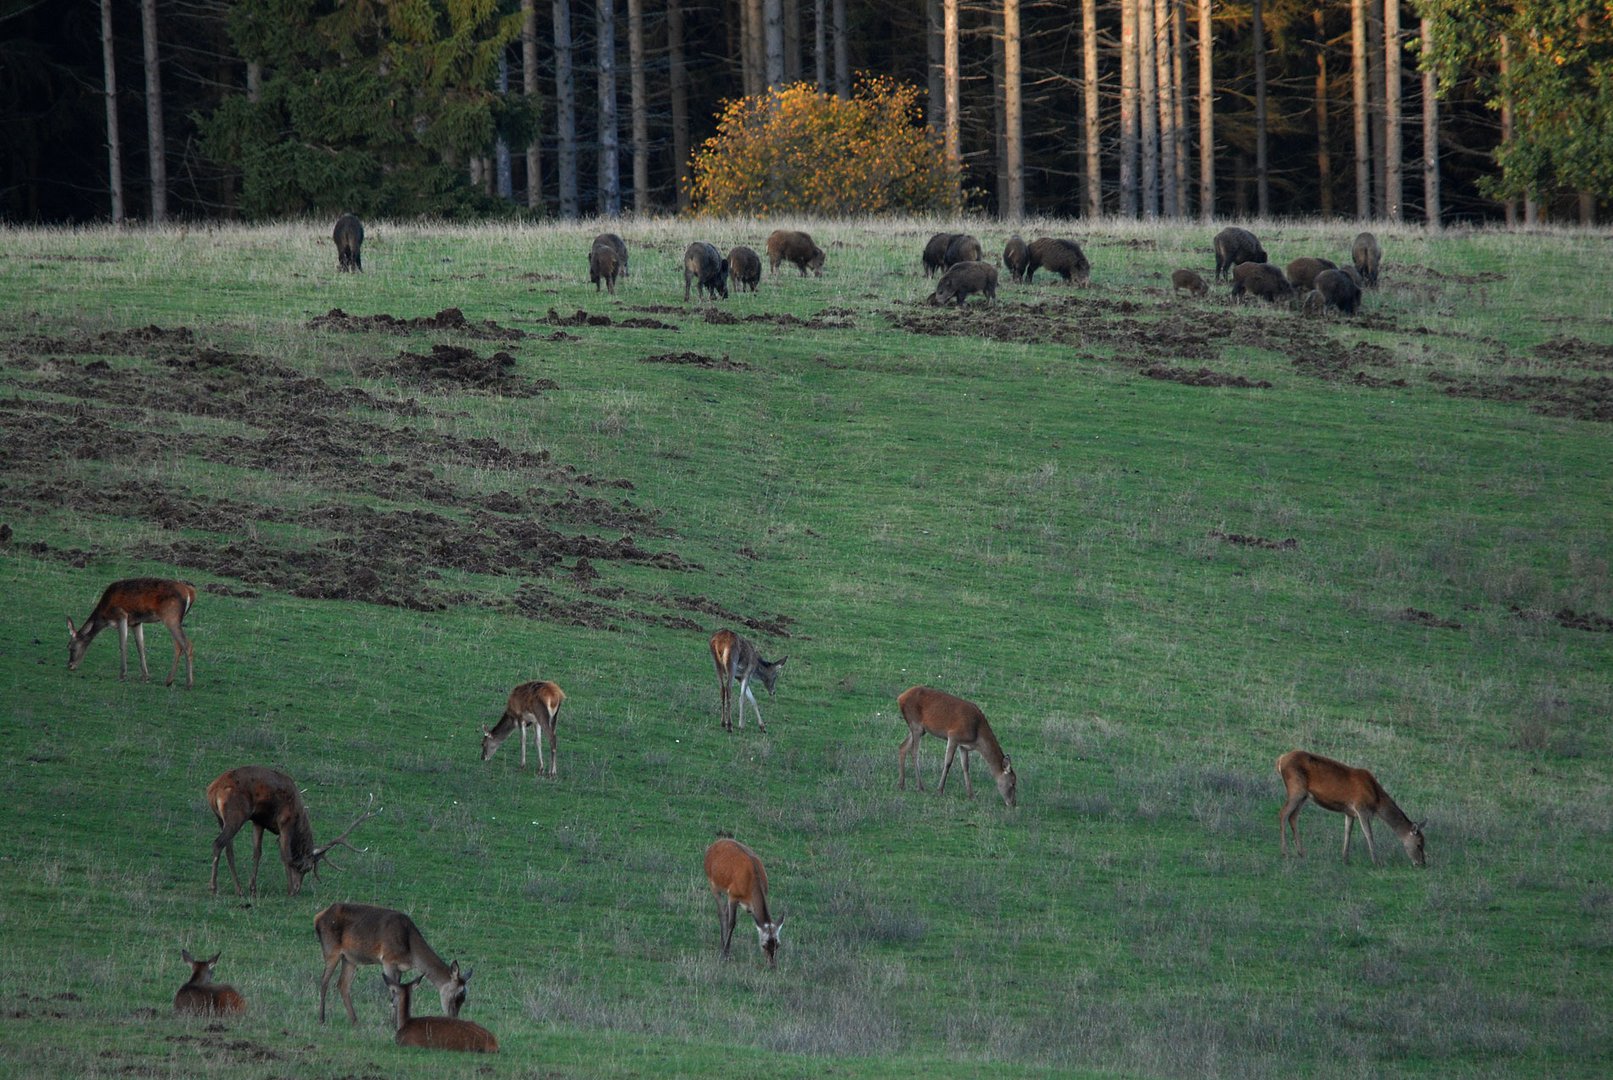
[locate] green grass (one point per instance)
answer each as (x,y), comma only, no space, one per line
(999,505)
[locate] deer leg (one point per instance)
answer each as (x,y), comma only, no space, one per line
(1289,814)
(521,724)
(756,708)
(554,752)
(332,962)
(946,766)
(901,763)
(225,842)
(181,648)
(344,986)
(140,643)
(968,788)
(725,921)
(1349,825)
(1366,831)
(724,710)
(257,857)
(123,648)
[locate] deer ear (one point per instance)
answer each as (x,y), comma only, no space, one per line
(486,732)
(189,959)
(465,976)
(453,970)
(780,662)
(71,630)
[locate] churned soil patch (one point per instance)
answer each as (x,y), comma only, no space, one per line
(581,318)
(1550,395)
(1573,352)
(450,319)
(1244,540)
(698,360)
(1418,617)
(456,368)
(1202,377)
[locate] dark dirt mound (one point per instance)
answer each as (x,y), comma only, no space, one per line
(447,319)
(698,360)
(645,324)
(1427,618)
(456,368)
(1550,395)
(1584,620)
(719,317)
(1569,351)
(582,318)
(1243,540)
(660,309)
(1201,377)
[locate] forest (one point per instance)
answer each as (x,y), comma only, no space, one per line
(1444,111)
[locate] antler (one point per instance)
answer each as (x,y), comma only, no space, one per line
(320,852)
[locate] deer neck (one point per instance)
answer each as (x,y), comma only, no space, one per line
(1390,813)
(990,750)
(297,839)
(425,960)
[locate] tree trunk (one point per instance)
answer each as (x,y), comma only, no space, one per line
(935,105)
(1432,211)
(114,144)
(678,76)
(1089,95)
(1587,209)
(254,81)
(1324,156)
(1380,179)
(1013,145)
(1262,164)
(1147,106)
(610,187)
(1179,102)
(755,67)
(1358,75)
(529,86)
(156,146)
(565,100)
(1206,113)
(773,26)
(1164,49)
(950,142)
(999,126)
(820,54)
(1128,108)
(1394,190)
(640,106)
(792,41)
(843,51)
(506,182)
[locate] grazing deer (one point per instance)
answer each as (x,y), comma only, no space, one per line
(201,995)
(535,705)
(1355,793)
(355,934)
(269,800)
(435,1032)
(136,602)
(739,881)
(964,727)
(738,661)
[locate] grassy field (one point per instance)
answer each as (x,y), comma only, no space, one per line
(1079,508)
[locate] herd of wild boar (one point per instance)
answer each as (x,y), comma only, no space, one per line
(1309,282)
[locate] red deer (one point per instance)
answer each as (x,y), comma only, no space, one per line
(1355,793)
(964,727)
(136,602)
(269,800)
(355,934)
(738,661)
(739,881)
(201,995)
(436,1032)
(532,704)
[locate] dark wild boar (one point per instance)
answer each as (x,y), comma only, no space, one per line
(964,280)
(1233,246)
(964,248)
(349,237)
(1368,258)
(1261,279)
(786,245)
(1302,272)
(1189,280)
(1062,257)
(621,249)
(1338,290)
(706,268)
(744,267)
(1014,255)
(604,263)
(935,252)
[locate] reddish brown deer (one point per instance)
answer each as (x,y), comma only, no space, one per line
(964,727)
(269,800)
(355,934)
(535,705)
(201,995)
(739,881)
(738,661)
(1355,793)
(136,602)
(435,1032)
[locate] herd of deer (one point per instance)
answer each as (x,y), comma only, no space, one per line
(351,935)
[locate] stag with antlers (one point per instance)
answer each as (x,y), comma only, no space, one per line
(269,800)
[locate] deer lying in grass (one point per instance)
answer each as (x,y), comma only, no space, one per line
(1355,793)
(201,995)
(738,661)
(269,800)
(964,727)
(535,705)
(435,1032)
(355,934)
(136,602)
(739,881)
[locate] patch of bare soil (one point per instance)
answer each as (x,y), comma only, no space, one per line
(1550,395)
(1568,618)
(451,319)
(1244,540)
(1202,377)
(581,318)
(645,324)
(719,317)
(1427,618)
(1573,352)
(698,360)
(241,1049)
(456,369)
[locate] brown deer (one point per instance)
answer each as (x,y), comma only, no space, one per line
(355,934)
(435,1032)
(535,705)
(136,602)
(739,881)
(269,800)
(1355,793)
(201,995)
(738,661)
(964,727)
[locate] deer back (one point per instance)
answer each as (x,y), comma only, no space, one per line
(366,934)
(435,1032)
(943,715)
(736,871)
(200,995)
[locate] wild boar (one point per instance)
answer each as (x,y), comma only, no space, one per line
(1261,279)
(349,237)
(745,267)
(963,280)
(786,245)
(1368,258)
(1233,246)
(935,252)
(604,263)
(1063,257)
(1014,255)
(964,248)
(1189,280)
(1338,289)
(1302,272)
(703,265)
(621,249)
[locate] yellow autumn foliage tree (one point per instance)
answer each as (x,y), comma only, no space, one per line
(799,150)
